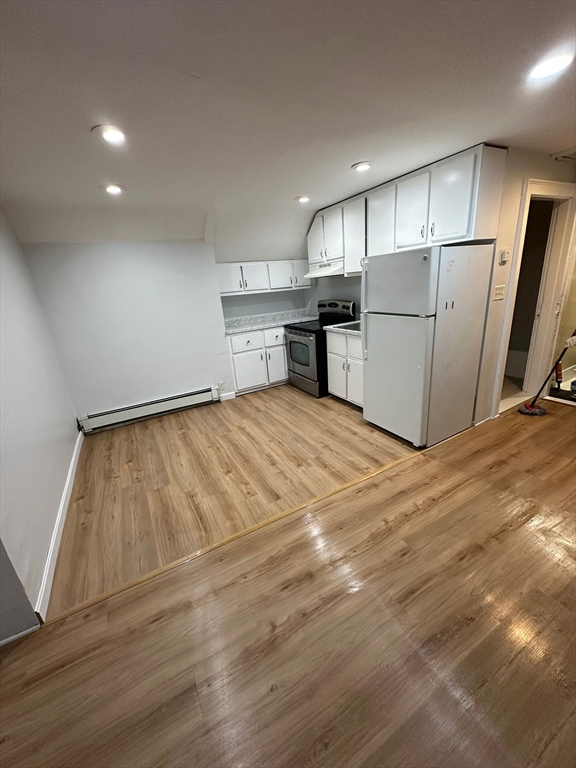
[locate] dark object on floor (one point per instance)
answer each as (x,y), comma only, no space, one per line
(531,409)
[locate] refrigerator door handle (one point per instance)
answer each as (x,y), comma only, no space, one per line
(363,333)
(364,288)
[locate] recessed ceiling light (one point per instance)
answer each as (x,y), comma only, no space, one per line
(110,133)
(113,189)
(360,167)
(551,66)
(302,199)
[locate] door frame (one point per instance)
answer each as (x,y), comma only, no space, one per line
(555,281)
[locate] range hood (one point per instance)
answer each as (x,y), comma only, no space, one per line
(326,269)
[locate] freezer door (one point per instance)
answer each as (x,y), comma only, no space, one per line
(397,374)
(463,285)
(402,283)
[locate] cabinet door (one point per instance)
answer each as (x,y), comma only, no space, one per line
(355,381)
(412,211)
(451,188)
(334,233)
(276,360)
(300,269)
(337,375)
(354,235)
(315,240)
(255,276)
(250,369)
(381,211)
(230,278)
(281,274)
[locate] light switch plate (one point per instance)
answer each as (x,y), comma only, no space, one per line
(498,292)
(504,257)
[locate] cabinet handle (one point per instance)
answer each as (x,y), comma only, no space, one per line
(343,366)
(432,229)
(348,367)
(291,281)
(296,280)
(422,231)
(245,283)
(325,253)
(261,357)
(268,355)
(248,342)
(240,281)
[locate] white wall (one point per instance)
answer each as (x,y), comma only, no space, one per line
(520,165)
(132,322)
(336,287)
(38,423)
(264,303)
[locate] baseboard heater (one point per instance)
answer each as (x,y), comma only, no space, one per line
(93,422)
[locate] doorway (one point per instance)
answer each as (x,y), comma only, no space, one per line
(527,293)
(547,277)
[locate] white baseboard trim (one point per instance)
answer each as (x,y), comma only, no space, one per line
(50,567)
(25,632)
(227,396)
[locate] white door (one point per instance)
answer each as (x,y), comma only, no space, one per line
(281,274)
(276,360)
(462,302)
(337,375)
(300,269)
(397,374)
(355,381)
(354,235)
(256,276)
(315,240)
(381,211)
(451,188)
(412,211)
(230,278)
(250,369)
(334,233)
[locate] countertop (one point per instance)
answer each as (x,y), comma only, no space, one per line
(272,320)
(339,329)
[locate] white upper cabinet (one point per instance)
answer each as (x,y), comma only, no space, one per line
(334,233)
(412,211)
(281,274)
(354,235)
(230,278)
(451,189)
(455,199)
(300,269)
(381,212)
(255,276)
(316,240)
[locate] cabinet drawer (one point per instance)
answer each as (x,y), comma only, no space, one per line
(336,343)
(242,342)
(355,347)
(273,337)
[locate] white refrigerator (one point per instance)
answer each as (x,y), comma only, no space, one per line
(423,319)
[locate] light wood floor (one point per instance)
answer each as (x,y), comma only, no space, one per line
(151,493)
(423,618)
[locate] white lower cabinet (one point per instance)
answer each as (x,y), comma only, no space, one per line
(345,368)
(276,361)
(337,375)
(250,369)
(355,370)
(258,358)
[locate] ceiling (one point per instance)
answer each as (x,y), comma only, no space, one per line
(234,108)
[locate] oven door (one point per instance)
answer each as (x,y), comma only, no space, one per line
(301,349)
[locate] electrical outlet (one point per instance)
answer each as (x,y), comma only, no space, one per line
(498,292)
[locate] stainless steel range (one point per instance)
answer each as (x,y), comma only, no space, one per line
(306,346)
